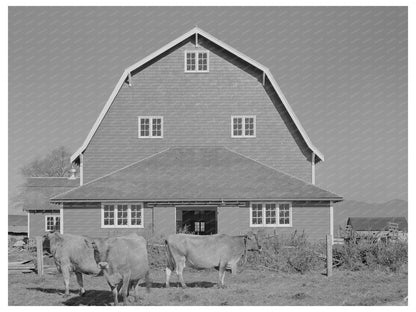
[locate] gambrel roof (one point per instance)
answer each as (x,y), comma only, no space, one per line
(196,173)
(198,32)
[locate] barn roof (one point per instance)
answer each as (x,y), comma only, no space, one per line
(196,173)
(38,191)
(376,224)
(197,32)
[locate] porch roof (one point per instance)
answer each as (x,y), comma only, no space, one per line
(196,173)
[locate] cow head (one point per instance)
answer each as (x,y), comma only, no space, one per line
(100,252)
(50,241)
(252,242)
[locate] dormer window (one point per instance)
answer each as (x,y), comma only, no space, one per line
(150,127)
(196,61)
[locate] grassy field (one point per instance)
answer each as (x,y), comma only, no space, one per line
(250,287)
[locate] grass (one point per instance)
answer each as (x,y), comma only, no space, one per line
(250,287)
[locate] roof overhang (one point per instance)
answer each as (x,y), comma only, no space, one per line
(200,32)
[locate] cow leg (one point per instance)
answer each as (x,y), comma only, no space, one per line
(181,266)
(168,273)
(80,281)
(221,273)
(65,274)
(234,268)
(125,287)
(115,295)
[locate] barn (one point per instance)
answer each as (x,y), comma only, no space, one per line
(43,216)
(197,136)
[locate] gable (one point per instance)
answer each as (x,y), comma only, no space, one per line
(197,34)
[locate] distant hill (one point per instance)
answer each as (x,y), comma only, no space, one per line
(352,208)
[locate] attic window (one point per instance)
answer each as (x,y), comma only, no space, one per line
(196,61)
(150,127)
(243,126)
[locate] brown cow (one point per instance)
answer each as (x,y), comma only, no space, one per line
(72,254)
(124,262)
(209,251)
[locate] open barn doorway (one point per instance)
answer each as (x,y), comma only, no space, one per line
(197,220)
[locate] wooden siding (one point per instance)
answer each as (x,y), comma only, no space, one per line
(197,110)
(37,222)
(308,217)
(85,219)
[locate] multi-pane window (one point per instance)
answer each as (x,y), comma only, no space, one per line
(150,127)
(257,214)
(136,215)
(122,215)
(52,223)
(196,61)
(108,215)
(243,126)
(271,214)
(284,214)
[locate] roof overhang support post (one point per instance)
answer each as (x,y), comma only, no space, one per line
(196,40)
(129,79)
(61,217)
(264,78)
(331,220)
(81,169)
(313,167)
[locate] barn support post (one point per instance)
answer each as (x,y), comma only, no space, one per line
(313,168)
(328,255)
(39,253)
(331,220)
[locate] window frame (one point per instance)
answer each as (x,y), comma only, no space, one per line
(196,61)
(128,225)
(150,136)
(54,222)
(243,135)
(263,205)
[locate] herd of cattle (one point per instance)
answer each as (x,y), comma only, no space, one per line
(124,261)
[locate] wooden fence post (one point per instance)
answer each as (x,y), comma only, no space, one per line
(39,253)
(328,255)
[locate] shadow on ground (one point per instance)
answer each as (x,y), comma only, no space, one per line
(177,284)
(91,297)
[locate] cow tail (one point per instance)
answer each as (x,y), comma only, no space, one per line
(169,257)
(244,255)
(148,282)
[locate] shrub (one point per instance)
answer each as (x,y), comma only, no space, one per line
(371,253)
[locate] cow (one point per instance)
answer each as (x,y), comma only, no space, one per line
(72,254)
(220,251)
(124,262)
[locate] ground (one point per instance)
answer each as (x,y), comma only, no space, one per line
(250,287)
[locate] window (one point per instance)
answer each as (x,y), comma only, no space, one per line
(122,215)
(270,214)
(150,127)
(52,223)
(196,61)
(243,126)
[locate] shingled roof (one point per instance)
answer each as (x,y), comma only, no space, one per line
(196,173)
(38,191)
(376,224)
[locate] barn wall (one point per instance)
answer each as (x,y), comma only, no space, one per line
(197,110)
(37,222)
(308,217)
(85,219)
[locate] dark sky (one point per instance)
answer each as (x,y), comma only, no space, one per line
(343,71)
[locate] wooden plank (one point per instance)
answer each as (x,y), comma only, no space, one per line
(39,253)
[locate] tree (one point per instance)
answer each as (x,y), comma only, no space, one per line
(56,164)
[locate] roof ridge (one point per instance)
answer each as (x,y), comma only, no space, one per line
(279,171)
(113,172)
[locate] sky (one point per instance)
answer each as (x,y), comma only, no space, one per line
(343,70)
